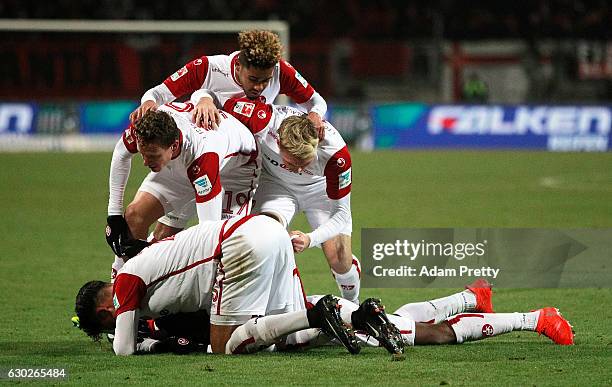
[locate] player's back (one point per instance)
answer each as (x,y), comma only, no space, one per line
(178,271)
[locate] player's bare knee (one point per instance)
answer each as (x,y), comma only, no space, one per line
(338,257)
(163,231)
(136,221)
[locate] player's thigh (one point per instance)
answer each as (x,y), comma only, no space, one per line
(273,197)
(255,274)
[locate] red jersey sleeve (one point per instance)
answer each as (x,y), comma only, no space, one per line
(255,115)
(188,78)
(338,174)
(129,139)
(293,83)
(128,292)
(204,175)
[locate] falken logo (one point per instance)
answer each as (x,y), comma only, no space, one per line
(202,185)
(522,120)
(344,179)
(301,79)
(116,302)
(182,71)
(244,108)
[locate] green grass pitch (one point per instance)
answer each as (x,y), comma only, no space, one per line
(51,239)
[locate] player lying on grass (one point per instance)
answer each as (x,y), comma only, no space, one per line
(439,321)
(256,71)
(234,269)
(218,169)
(301,173)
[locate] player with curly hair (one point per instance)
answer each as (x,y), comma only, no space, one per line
(257,71)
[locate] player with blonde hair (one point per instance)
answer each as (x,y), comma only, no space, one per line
(302,173)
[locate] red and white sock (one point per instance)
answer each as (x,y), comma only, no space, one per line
(261,332)
(440,309)
(349,282)
(477,326)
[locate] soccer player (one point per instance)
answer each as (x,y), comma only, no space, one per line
(455,319)
(219,169)
(301,173)
(256,72)
(234,269)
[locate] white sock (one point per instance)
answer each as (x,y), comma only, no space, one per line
(439,309)
(115,267)
(264,331)
(349,282)
(476,326)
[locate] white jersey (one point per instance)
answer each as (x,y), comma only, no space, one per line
(173,275)
(217,74)
(207,161)
(233,269)
(332,161)
(330,172)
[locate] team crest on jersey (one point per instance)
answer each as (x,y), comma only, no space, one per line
(244,108)
(129,137)
(344,179)
(487,330)
(261,114)
(182,71)
(202,185)
(301,79)
(115,302)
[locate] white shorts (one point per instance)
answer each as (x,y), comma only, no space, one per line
(284,200)
(177,195)
(257,274)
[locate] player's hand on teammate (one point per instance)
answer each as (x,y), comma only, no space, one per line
(141,110)
(299,240)
(318,123)
(206,115)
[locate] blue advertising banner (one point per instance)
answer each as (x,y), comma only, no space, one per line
(106,117)
(555,128)
(18,118)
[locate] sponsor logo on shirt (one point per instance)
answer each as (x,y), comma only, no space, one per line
(116,302)
(182,71)
(244,108)
(261,114)
(301,79)
(197,62)
(344,179)
(202,185)
(341,162)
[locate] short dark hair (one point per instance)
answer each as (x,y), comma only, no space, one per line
(85,308)
(156,127)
